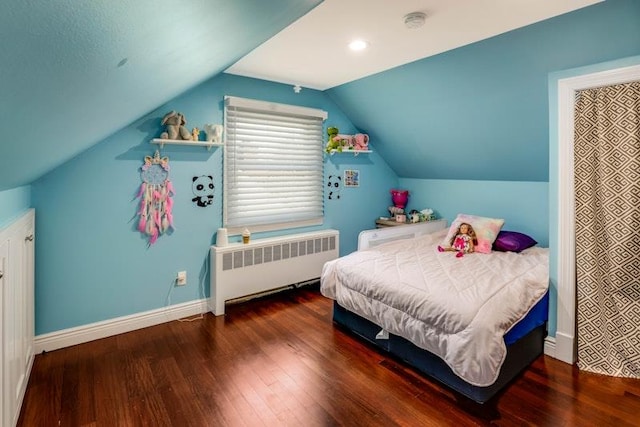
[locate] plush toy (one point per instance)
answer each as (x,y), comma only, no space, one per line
(462,242)
(195,134)
(427,213)
(345,141)
(360,141)
(332,143)
(175,127)
(213,132)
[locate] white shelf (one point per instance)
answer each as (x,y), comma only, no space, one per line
(161,142)
(354,152)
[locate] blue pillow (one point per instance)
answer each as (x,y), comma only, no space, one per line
(512,241)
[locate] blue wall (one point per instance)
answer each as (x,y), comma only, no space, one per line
(523,205)
(480,112)
(468,130)
(93,265)
(13,202)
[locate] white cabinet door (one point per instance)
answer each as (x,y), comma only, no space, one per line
(4,383)
(16,315)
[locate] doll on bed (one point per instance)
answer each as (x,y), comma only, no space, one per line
(462,242)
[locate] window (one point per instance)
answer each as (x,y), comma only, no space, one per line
(273,165)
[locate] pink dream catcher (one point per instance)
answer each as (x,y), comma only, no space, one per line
(155,197)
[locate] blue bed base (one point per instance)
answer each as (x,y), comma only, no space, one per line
(525,342)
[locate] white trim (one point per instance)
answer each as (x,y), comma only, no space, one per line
(234,101)
(550,347)
(237,231)
(565,343)
(118,325)
(565,347)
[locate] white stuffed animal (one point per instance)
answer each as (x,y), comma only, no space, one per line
(214,133)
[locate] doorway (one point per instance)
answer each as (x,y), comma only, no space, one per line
(566,340)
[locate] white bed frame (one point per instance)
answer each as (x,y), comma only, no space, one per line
(370,238)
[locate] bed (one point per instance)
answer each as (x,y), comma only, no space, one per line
(471,322)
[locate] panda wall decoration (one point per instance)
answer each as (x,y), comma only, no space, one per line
(334,184)
(203,188)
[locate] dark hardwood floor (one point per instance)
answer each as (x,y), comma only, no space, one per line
(279,361)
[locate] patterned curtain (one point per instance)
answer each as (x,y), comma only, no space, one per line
(607,196)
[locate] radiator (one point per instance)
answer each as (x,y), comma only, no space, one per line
(242,270)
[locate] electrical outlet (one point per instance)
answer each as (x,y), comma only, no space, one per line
(181,279)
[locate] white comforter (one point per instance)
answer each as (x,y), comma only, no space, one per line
(456,308)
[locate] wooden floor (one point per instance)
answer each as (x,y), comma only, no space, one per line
(279,361)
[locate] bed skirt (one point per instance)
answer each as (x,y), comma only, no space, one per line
(520,354)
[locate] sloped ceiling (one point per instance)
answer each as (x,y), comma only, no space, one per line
(73,72)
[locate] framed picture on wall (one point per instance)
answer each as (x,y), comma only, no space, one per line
(351,178)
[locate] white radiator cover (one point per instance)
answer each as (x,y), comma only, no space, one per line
(240,270)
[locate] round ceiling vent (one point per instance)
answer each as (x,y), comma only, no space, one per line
(415,20)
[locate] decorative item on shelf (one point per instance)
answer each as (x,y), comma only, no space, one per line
(246,236)
(214,133)
(427,214)
(195,134)
(399,198)
(416,216)
(332,142)
(155,211)
(339,143)
(175,128)
(394,210)
(361,141)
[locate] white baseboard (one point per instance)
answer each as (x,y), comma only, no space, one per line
(560,347)
(565,348)
(93,331)
(550,346)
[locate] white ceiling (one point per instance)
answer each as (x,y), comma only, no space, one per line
(312,52)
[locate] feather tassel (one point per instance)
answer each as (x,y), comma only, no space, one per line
(142,225)
(143,207)
(153,238)
(143,187)
(150,226)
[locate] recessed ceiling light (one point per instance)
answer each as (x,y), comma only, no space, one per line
(358,45)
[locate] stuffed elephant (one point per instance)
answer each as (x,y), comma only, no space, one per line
(175,127)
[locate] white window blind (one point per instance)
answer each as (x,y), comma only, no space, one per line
(273,165)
